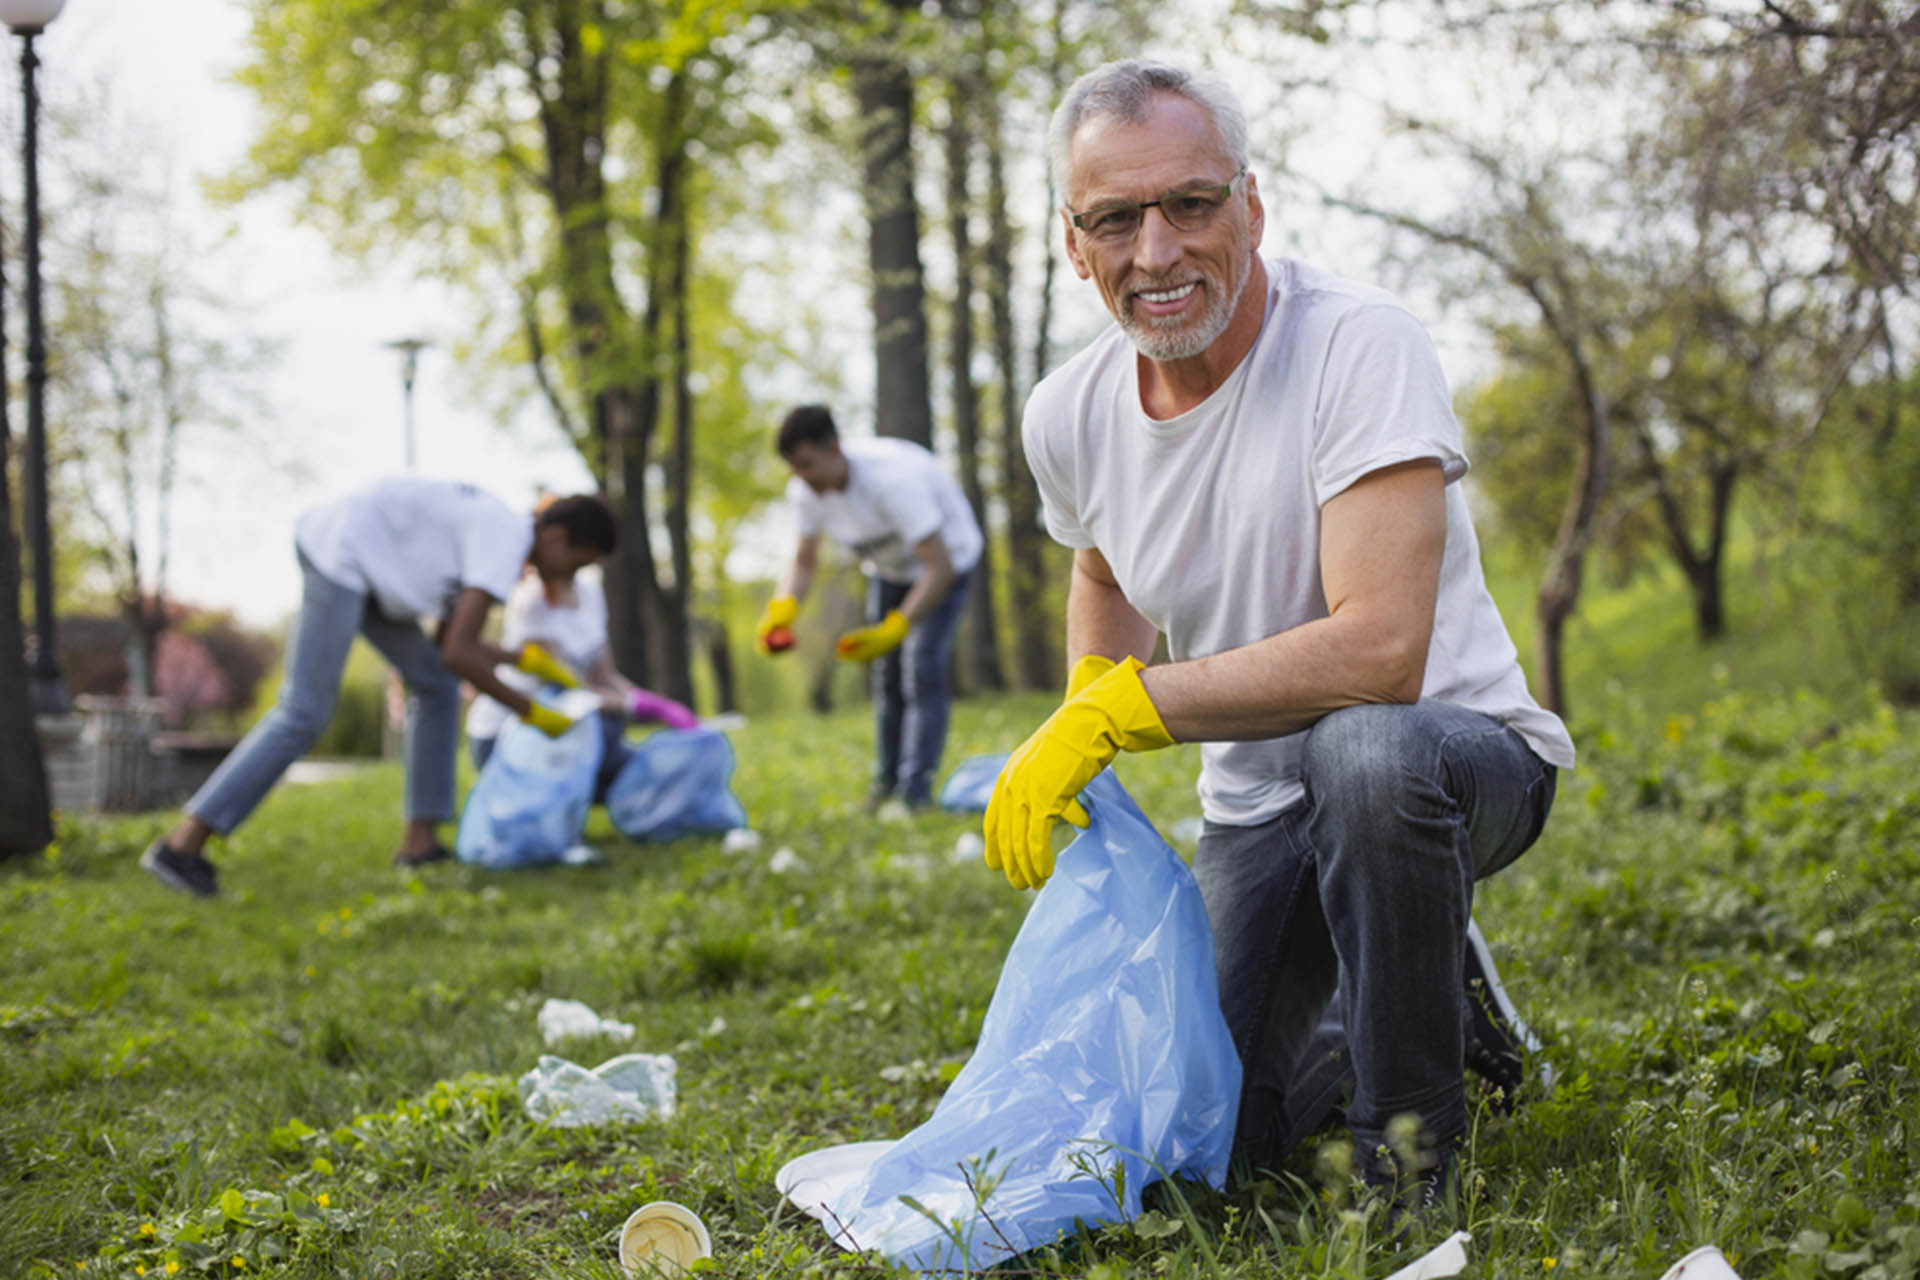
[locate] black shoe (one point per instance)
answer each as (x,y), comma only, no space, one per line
(437,853)
(1418,1187)
(1498,1039)
(187,872)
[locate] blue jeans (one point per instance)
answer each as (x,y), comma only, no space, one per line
(1365,886)
(330,616)
(912,691)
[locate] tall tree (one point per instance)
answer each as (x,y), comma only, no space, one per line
(982,650)
(883,87)
(26,809)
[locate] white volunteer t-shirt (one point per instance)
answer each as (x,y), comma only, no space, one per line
(1211,520)
(897,496)
(576,633)
(415,544)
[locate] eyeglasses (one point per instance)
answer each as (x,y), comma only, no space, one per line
(1187,210)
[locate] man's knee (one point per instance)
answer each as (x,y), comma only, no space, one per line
(1368,750)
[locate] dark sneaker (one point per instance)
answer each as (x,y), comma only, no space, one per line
(437,852)
(187,872)
(1418,1187)
(1498,1039)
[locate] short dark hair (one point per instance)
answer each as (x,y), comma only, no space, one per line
(809,424)
(587,519)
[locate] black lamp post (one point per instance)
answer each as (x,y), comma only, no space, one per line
(28,18)
(409,349)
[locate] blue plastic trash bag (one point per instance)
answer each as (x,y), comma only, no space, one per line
(677,782)
(530,802)
(1104,1060)
(970,785)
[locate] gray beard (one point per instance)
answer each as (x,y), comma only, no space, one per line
(1183,344)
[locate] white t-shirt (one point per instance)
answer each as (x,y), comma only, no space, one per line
(1211,520)
(575,633)
(897,496)
(415,544)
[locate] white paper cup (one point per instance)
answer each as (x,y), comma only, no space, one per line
(662,1238)
(1704,1263)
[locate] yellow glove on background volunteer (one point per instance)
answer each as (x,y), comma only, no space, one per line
(536,661)
(868,643)
(1111,714)
(777,616)
(547,720)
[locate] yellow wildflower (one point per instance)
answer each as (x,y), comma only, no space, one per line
(322,1198)
(1549,1263)
(147,1229)
(173,1268)
(239,1263)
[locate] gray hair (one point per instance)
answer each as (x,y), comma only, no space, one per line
(1125,90)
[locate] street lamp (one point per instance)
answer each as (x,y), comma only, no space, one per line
(28,18)
(409,349)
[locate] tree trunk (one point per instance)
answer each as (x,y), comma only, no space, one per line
(26,807)
(902,403)
(633,585)
(676,238)
(720,658)
(982,649)
(1035,663)
(622,382)
(1559,590)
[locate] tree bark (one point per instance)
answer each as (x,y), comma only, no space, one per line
(982,665)
(1035,663)
(26,806)
(1559,592)
(677,234)
(883,90)
(622,376)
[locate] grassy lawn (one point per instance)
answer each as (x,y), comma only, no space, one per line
(314,1076)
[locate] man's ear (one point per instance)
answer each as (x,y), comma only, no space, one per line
(1080,267)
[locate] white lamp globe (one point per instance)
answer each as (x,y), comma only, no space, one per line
(30,15)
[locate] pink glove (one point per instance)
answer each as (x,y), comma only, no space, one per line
(651,706)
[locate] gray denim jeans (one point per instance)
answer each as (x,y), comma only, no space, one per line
(1365,887)
(912,691)
(330,617)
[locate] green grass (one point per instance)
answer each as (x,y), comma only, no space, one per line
(1716,937)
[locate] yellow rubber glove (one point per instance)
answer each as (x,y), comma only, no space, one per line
(1037,787)
(547,720)
(536,661)
(1086,671)
(868,643)
(777,616)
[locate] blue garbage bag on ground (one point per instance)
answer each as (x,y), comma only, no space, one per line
(530,802)
(676,782)
(970,785)
(1104,1064)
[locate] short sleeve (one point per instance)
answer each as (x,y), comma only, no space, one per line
(1383,400)
(806,507)
(494,548)
(1049,477)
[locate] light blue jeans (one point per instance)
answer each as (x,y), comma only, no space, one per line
(913,692)
(1365,887)
(330,617)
